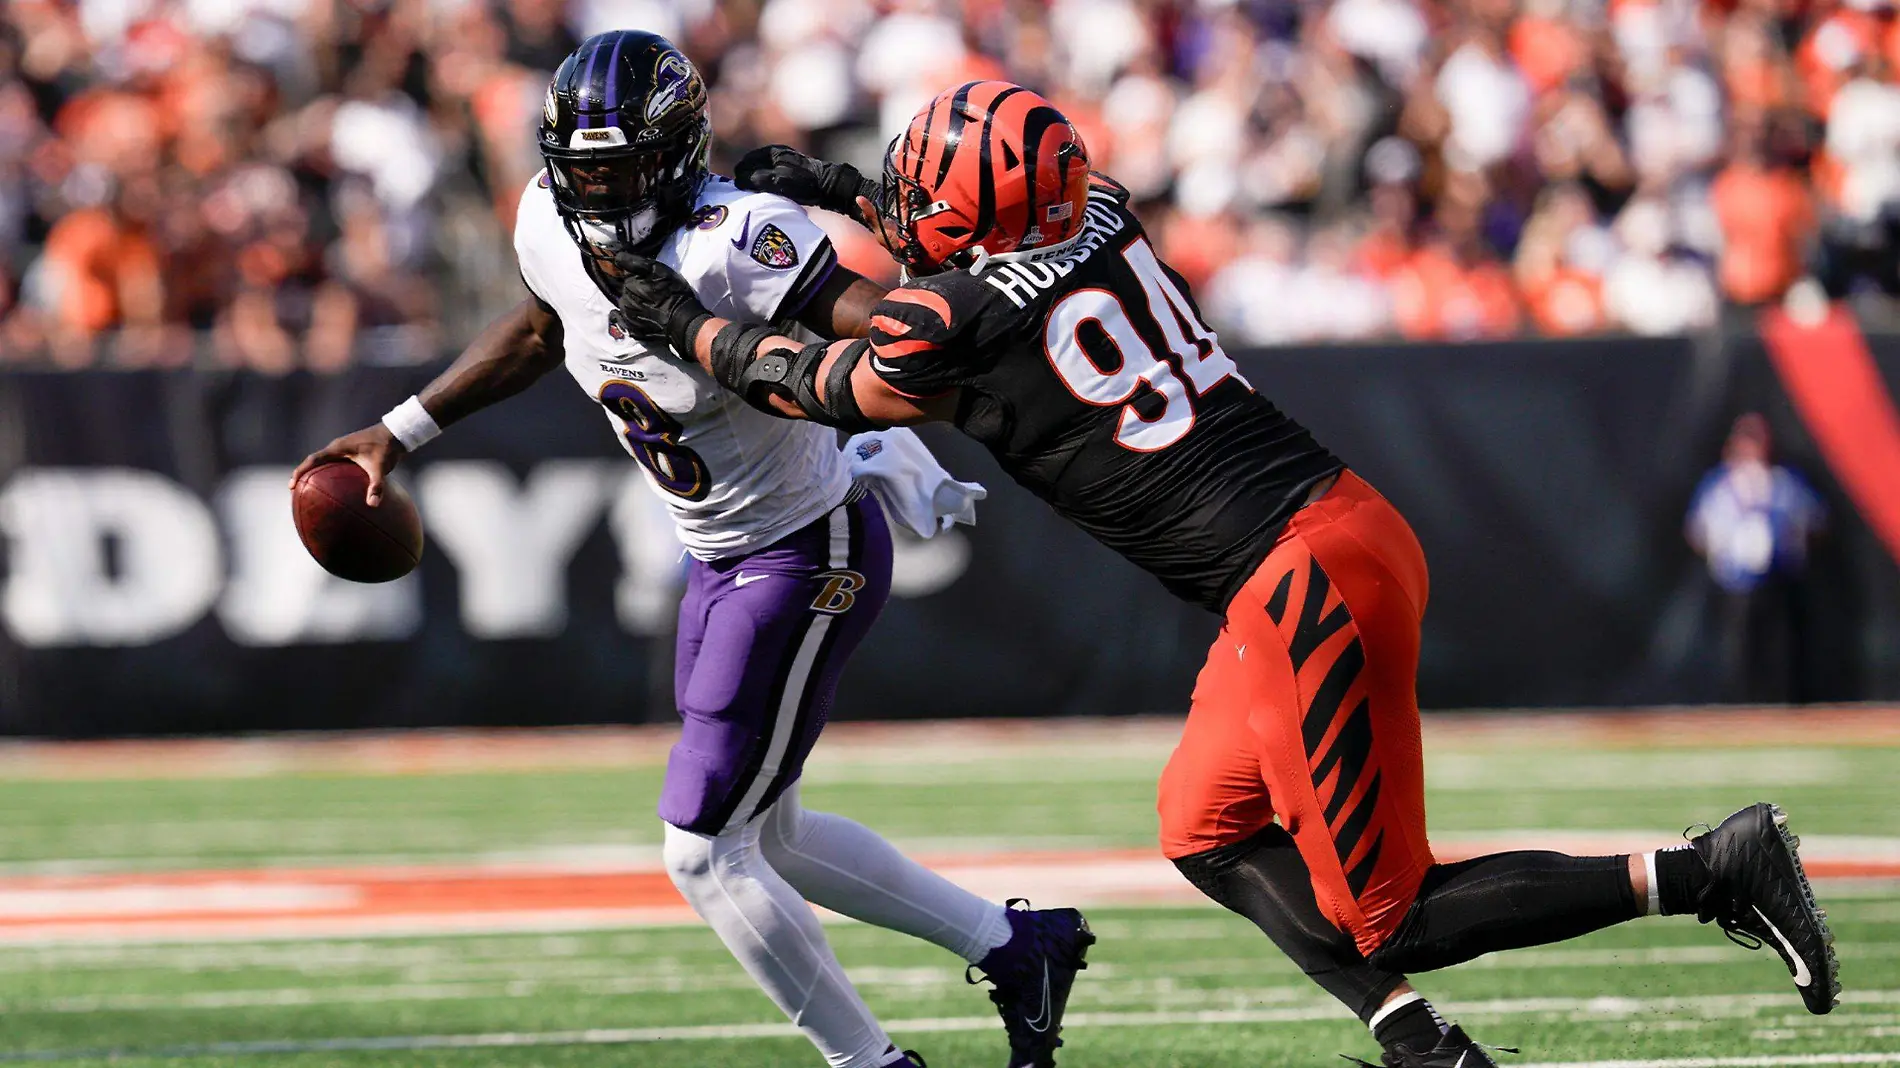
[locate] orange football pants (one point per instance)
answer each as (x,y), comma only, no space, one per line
(1306,711)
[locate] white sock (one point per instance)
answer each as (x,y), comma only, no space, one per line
(1397,1003)
(778,941)
(846,867)
(1401,1002)
(1653,903)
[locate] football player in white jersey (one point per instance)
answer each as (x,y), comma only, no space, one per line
(790,559)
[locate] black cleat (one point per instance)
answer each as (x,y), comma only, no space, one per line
(1757,894)
(1455,1049)
(907,1059)
(1031,975)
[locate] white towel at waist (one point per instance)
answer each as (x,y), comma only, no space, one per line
(915,490)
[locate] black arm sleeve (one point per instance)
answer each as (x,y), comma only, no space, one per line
(823,263)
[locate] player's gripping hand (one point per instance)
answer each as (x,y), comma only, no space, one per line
(793,175)
(658,303)
(373,448)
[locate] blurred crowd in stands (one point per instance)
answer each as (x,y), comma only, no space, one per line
(306,183)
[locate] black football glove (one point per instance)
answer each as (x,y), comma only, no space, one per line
(657,302)
(796,176)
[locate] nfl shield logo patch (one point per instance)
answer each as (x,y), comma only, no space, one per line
(774,248)
(617,326)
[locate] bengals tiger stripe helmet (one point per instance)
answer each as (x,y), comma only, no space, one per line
(986,170)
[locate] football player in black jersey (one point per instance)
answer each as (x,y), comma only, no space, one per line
(1037,318)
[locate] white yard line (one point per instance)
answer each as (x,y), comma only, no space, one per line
(1611,1008)
(1779,1061)
(1107,984)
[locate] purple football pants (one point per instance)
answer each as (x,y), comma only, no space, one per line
(763,638)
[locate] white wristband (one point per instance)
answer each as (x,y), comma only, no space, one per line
(412,424)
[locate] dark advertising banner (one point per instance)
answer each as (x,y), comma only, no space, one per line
(150,580)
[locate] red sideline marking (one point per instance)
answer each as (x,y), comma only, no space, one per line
(322,893)
(346,902)
(1837,388)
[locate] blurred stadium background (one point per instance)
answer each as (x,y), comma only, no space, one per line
(1567,279)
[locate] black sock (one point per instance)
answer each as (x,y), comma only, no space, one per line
(1507,901)
(1681,876)
(1265,880)
(1414,1025)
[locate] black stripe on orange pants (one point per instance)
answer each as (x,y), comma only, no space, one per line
(1306,712)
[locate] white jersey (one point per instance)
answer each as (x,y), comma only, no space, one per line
(734,477)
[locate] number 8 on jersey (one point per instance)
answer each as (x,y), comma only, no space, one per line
(653,435)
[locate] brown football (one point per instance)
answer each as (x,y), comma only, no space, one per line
(348,537)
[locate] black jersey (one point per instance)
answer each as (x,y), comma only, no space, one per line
(1095,383)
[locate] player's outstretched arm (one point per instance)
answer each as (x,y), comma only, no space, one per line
(830,383)
(813,182)
(836,187)
(517,348)
(842,305)
(841,389)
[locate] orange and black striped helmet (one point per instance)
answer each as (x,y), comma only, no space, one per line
(986,166)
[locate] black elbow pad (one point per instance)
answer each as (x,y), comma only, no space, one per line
(841,403)
(789,373)
(735,357)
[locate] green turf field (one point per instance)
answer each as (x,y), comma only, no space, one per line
(1183,986)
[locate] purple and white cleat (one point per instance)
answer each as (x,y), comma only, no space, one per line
(1031,975)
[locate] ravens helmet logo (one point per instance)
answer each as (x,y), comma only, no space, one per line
(674,82)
